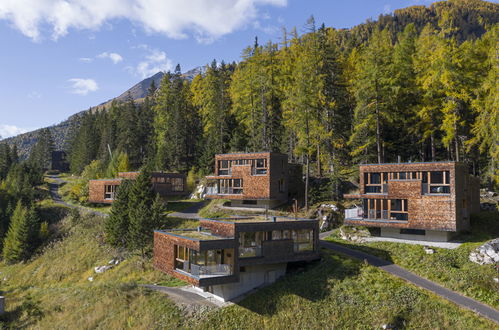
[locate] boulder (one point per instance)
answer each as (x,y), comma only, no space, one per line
(487,253)
(91,279)
(102,269)
(428,250)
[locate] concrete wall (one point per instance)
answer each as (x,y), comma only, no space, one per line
(430,235)
(252,277)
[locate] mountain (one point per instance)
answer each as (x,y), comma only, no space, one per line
(62,132)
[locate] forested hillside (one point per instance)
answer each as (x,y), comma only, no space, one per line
(418,85)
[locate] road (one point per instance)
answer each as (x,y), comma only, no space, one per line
(458,299)
(56,197)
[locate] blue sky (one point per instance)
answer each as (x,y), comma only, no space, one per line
(62,56)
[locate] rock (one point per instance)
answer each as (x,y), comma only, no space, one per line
(117,261)
(486,254)
(91,279)
(496,279)
(428,250)
(102,269)
(111,262)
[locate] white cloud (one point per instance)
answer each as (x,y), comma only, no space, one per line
(115,57)
(34,95)
(205,19)
(83,86)
(154,61)
(11,130)
(85,59)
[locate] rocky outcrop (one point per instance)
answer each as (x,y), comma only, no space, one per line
(354,234)
(487,253)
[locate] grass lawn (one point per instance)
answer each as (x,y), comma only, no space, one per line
(450,268)
(343,293)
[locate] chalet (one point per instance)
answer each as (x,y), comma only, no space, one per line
(165,184)
(260,179)
(231,256)
(425,201)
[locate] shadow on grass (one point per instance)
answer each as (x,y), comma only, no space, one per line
(310,281)
(484,227)
(361,252)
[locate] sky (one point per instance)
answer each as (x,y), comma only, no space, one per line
(59,57)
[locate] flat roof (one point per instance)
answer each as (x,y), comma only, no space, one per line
(251,153)
(193,234)
(257,219)
(410,163)
(112,179)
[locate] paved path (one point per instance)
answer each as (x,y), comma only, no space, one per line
(189,213)
(54,193)
(465,302)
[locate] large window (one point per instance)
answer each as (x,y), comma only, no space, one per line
(436,182)
(250,244)
(177,184)
(199,263)
(110,191)
(375,183)
(303,239)
(230,186)
(385,209)
(260,166)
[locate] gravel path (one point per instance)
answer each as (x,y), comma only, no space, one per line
(465,302)
(56,197)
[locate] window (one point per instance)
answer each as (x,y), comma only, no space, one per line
(181,257)
(303,239)
(375,178)
(260,166)
(438,183)
(230,186)
(412,231)
(250,244)
(224,167)
(177,184)
(110,191)
(373,182)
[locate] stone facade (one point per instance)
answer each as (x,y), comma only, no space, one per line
(59,161)
(164,184)
(225,235)
(269,187)
(430,206)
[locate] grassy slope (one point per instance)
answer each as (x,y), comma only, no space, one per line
(52,291)
(54,285)
(451,268)
(342,293)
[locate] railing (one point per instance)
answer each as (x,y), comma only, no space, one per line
(247,252)
(212,190)
(377,215)
(306,246)
(218,269)
(224,191)
(354,213)
(258,171)
(225,171)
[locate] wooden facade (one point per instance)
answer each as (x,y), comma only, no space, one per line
(103,191)
(252,177)
(436,196)
(238,243)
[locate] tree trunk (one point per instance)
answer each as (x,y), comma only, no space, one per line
(307,176)
(432,143)
(319,165)
(378,135)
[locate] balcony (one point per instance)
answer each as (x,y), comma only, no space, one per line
(224,190)
(249,252)
(375,215)
(206,271)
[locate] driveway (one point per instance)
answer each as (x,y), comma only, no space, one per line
(188,296)
(189,213)
(458,299)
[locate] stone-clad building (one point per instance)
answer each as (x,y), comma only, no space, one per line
(59,161)
(165,184)
(424,201)
(231,256)
(260,179)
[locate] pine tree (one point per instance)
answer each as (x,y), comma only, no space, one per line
(41,155)
(117,224)
(373,98)
(22,232)
(140,202)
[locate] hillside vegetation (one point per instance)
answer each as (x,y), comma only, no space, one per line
(52,290)
(450,268)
